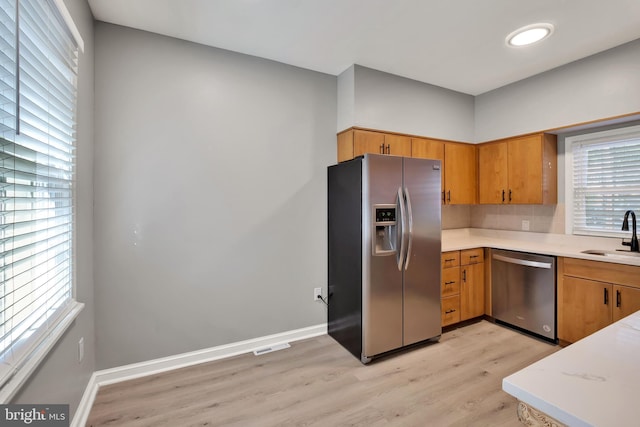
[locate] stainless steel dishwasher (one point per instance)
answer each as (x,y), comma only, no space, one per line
(523,291)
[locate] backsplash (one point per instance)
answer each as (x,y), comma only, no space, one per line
(542,219)
(456,216)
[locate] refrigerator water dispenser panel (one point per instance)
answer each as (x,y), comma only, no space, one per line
(385,235)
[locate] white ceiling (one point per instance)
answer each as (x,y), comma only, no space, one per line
(456,44)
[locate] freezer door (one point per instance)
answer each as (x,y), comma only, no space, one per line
(381,278)
(422,275)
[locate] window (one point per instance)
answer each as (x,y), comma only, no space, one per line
(38,69)
(603,181)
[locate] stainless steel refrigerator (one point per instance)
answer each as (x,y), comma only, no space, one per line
(384,253)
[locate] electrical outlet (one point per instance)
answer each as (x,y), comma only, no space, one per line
(80,350)
(525,225)
(317,294)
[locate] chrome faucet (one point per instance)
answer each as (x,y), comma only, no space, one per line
(625,227)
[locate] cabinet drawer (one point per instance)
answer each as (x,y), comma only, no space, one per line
(471,256)
(450,259)
(620,274)
(450,310)
(450,281)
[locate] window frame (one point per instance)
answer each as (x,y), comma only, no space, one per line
(591,136)
(31,352)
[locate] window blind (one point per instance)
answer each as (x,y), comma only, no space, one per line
(606,180)
(38,70)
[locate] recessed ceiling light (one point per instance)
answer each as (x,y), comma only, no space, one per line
(529,34)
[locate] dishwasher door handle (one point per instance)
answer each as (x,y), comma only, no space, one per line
(524,262)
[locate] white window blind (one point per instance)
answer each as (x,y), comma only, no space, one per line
(606,180)
(38,70)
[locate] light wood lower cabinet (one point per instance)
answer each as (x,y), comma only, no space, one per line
(584,308)
(472,291)
(462,288)
(450,288)
(592,295)
(471,283)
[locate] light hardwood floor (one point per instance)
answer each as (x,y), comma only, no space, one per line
(456,382)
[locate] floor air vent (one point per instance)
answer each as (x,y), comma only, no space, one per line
(266,350)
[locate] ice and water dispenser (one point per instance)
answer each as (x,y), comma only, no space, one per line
(385,229)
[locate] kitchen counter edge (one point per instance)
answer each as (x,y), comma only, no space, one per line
(562,245)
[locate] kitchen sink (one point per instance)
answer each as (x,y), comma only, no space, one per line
(620,253)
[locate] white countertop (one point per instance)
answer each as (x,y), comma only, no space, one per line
(541,243)
(593,382)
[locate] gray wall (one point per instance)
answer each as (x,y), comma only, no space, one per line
(210,195)
(346,99)
(392,103)
(60,378)
(600,86)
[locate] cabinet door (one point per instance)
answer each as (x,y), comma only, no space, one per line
(626,301)
(492,173)
(525,169)
(586,308)
(423,148)
(397,145)
(472,291)
(460,173)
(367,142)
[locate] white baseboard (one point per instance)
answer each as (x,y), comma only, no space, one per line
(84,408)
(155,366)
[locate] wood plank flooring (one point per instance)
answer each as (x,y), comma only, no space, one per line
(456,382)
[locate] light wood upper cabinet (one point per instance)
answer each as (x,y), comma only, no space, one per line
(397,145)
(520,170)
(493,179)
(424,148)
(355,142)
(459,161)
(459,182)
(460,173)
(345,146)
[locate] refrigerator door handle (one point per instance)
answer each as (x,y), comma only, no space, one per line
(410,228)
(401,234)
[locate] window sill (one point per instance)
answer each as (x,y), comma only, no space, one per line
(24,371)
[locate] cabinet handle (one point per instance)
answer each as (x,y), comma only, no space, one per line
(444,200)
(606,296)
(618,299)
(449,311)
(509,195)
(388,149)
(449,196)
(449,283)
(464,275)
(382,148)
(502,196)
